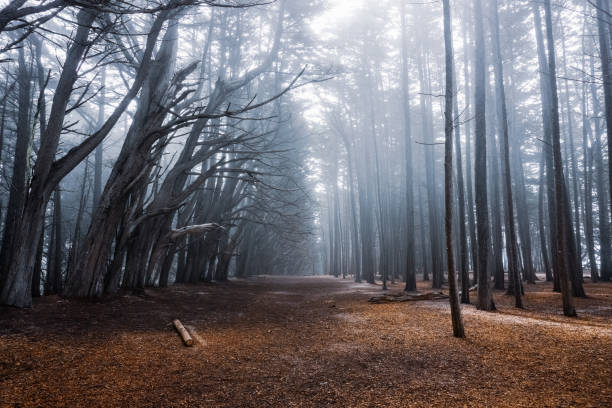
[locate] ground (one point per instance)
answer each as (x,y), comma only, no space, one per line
(304,342)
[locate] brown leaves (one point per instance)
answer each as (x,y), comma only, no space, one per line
(278,342)
(407,297)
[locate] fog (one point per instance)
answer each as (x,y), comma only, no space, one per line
(148,143)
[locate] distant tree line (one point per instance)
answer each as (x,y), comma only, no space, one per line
(521,91)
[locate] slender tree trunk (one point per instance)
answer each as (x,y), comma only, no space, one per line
(430,173)
(99,154)
(463,244)
(383,268)
(603,29)
(53,283)
(458,330)
(562,239)
(485,299)
(468,152)
(545,91)
(605,243)
(574,170)
(588,184)
(542,222)
(18,189)
(37,276)
(511,242)
(410,263)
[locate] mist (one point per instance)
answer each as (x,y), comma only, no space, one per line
(461,143)
(305,203)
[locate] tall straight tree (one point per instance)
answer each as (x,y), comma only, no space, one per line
(577,242)
(458,330)
(605,246)
(485,298)
(587,163)
(603,28)
(547,154)
(562,254)
(588,186)
(468,149)
(410,255)
(511,243)
(463,245)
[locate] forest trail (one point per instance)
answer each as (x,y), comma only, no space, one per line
(304,342)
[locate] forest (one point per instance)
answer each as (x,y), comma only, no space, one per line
(347,202)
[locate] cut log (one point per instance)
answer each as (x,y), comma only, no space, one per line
(183,332)
(407,297)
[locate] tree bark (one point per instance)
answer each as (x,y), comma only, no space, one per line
(409,263)
(603,30)
(511,242)
(562,239)
(458,330)
(547,149)
(468,153)
(17,187)
(485,299)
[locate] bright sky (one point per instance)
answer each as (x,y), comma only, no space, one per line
(336,11)
(326,25)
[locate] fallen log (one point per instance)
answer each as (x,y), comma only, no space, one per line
(183,332)
(407,297)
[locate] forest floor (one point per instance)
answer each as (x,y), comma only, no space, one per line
(305,342)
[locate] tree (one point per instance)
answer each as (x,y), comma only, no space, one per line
(511,242)
(562,255)
(485,299)
(603,30)
(48,171)
(18,187)
(458,330)
(410,263)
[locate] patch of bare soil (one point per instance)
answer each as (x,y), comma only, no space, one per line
(305,342)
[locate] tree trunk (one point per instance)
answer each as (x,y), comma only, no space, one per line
(574,173)
(542,221)
(562,254)
(430,173)
(99,154)
(463,244)
(16,290)
(53,284)
(409,263)
(603,29)
(546,94)
(468,153)
(511,242)
(588,184)
(37,276)
(458,330)
(485,299)
(17,187)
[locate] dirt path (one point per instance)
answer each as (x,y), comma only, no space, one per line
(303,342)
